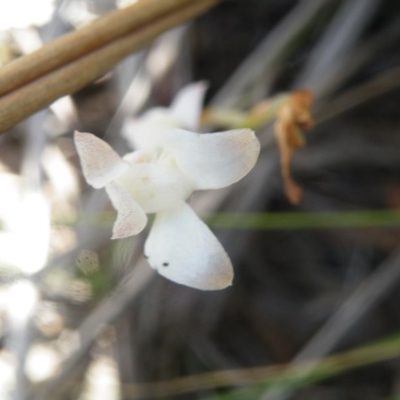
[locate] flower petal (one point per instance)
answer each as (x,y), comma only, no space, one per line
(156,187)
(131,219)
(188,104)
(183,249)
(213,160)
(100,163)
(143,133)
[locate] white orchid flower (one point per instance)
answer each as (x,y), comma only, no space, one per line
(184,112)
(159,179)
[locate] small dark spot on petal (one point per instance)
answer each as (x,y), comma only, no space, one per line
(165,264)
(146,256)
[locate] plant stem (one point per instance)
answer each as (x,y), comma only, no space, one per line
(284,373)
(26,100)
(78,43)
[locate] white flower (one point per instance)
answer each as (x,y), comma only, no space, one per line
(184,112)
(159,178)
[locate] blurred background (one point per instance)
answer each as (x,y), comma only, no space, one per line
(83,317)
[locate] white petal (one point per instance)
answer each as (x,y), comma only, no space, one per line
(144,132)
(156,187)
(100,163)
(183,249)
(188,104)
(214,160)
(131,219)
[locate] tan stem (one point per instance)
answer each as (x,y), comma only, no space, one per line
(78,43)
(22,102)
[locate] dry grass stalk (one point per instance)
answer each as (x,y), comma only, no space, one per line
(78,43)
(290,373)
(26,100)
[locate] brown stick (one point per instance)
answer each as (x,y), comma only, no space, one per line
(78,43)
(22,102)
